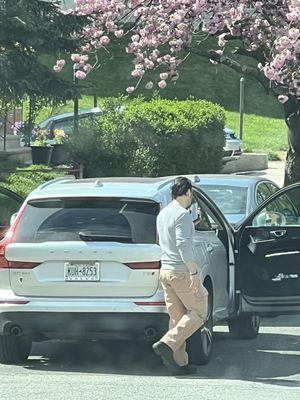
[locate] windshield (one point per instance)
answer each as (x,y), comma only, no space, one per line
(230,199)
(70,219)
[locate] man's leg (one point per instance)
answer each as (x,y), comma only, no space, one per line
(176,311)
(195,315)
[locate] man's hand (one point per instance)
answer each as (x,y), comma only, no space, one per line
(195,283)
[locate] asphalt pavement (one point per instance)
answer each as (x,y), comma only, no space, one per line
(266,368)
(275,172)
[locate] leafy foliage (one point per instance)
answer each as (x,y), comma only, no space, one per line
(160,137)
(24,182)
(29,29)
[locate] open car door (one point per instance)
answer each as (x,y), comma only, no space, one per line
(268,256)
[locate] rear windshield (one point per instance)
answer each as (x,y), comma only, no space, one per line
(229,199)
(71,219)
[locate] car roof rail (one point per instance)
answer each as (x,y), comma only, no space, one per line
(56,180)
(165,182)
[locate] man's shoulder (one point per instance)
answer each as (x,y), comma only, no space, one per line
(175,210)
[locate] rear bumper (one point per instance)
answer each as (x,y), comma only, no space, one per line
(72,325)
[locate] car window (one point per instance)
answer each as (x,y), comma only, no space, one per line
(8,206)
(284,210)
(263,192)
(67,125)
(229,199)
(203,218)
(63,219)
(273,188)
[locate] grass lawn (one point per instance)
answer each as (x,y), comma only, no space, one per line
(261,134)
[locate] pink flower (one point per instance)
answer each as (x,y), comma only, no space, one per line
(60,63)
(282,98)
(149,85)
(119,33)
(80,75)
(75,57)
(104,40)
(162,84)
(130,89)
(57,68)
(164,76)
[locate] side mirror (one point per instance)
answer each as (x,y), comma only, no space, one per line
(12,218)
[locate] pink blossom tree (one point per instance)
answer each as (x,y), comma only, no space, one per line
(160,34)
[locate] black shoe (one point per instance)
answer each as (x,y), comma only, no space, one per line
(166,354)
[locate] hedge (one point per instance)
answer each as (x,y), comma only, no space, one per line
(24,182)
(156,138)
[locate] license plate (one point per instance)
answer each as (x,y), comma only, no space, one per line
(82,272)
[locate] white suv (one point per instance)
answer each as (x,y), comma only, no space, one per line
(81,260)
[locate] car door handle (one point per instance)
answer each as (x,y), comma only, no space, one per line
(278,233)
(209,248)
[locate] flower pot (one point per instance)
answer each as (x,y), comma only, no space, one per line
(41,154)
(59,154)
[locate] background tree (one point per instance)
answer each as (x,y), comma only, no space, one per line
(29,29)
(162,33)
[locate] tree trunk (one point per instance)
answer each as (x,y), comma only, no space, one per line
(292,164)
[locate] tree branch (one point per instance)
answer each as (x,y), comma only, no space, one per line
(242,69)
(256,54)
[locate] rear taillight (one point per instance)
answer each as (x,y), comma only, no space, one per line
(8,238)
(22,265)
(4,242)
(144,265)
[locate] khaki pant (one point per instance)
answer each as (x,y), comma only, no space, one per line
(187,311)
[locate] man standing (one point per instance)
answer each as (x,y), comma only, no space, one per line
(185,296)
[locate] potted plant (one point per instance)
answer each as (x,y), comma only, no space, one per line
(41,149)
(60,154)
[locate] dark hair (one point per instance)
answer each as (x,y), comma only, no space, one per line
(181,186)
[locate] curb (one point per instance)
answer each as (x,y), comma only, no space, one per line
(247,162)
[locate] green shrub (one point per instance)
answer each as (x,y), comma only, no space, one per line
(156,138)
(24,182)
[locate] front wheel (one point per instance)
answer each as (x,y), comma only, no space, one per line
(199,345)
(244,327)
(14,349)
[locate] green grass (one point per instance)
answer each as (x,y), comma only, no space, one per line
(261,134)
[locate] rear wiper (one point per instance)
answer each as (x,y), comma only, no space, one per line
(93,237)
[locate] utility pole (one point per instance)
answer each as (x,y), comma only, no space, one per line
(242,103)
(76,102)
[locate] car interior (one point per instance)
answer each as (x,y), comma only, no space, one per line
(270,249)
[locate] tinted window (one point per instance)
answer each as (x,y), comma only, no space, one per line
(66,125)
(262,193)
(284,210)
(8,206)
(229,199)
(63,219)
(272,188)
(203,218)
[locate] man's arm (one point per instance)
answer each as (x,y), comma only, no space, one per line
(184,243)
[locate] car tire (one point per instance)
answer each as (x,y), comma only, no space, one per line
(244,327)
(14,349)
(199,345)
